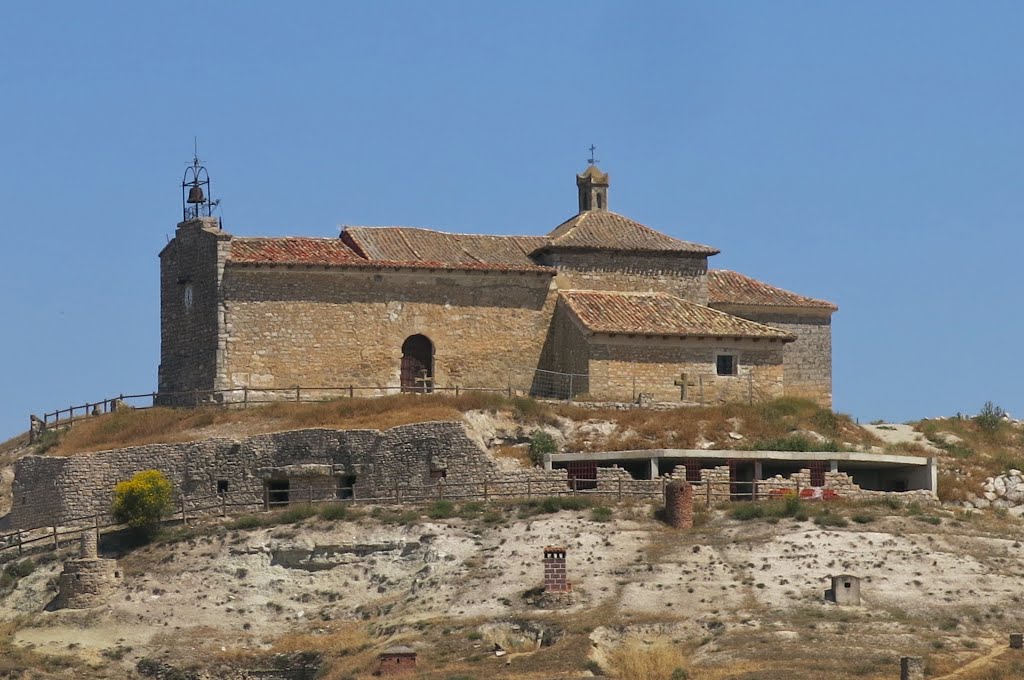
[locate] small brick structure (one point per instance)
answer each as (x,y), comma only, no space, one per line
(911,668)
(679,504)
(396,661)
(1017,641)
(555,579)
(88,581)
(845,590)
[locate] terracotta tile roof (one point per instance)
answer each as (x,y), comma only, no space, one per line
(726,287)
(393,247)
(610,231)
(292,250)
(426,246)
(659,314)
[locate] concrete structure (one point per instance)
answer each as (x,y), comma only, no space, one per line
(911,668)
(679,504)
(398,660)
(555,576)
(601,306)
(88,581)
(746,474)
(845,590)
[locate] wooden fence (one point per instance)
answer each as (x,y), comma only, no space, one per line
(19,542)
(243,397)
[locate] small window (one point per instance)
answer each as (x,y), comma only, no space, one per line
(726,364)
(222,486)
(847,584)
(600,201)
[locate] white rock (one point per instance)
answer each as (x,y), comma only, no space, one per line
(999,485)
(989,496)
(1017,511)
(735,435)
(981,503)
(1014,496)
(988,487)
(1016,473)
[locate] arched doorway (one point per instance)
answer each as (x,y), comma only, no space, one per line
(417,364)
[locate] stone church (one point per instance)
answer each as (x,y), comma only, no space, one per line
(599,308)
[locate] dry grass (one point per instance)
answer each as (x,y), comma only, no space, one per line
(517,453)
(637,428)
(682,427)
(167,425)
(981,453)
(637,661)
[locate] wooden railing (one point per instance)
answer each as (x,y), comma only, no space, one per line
(19,542)
(243,397)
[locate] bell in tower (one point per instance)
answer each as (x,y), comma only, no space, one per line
(593,186)
(195,202)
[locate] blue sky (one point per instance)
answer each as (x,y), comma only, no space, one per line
(870,153)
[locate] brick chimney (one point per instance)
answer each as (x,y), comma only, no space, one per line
(555,580)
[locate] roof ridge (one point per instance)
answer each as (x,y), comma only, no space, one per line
(346,227)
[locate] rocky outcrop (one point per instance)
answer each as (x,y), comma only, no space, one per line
(1002,491)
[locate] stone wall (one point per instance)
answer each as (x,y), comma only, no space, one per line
(191,320)
(61,490)
(808,360)
(684,276)
(653,366)
(339,327)
(565,351)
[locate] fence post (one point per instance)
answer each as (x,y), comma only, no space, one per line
(529,493)
(700,383)
(223,505)
(184,517)
(351,391)
(96,527)
(245,397)
(56,541)
(750,388)
(570,388)
(620,489)
(20,546)
(485,488)
(707,490)
(298,397)
(266,498)
(195,398)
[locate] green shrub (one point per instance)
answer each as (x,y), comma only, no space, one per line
(142,501)
(333,511)
(601,513)
(46,441)
(296,514)
(829,519)
(863,518)
(540,444)
(441,509)
(746,511)
(991,417)
(794,442)
(246,522)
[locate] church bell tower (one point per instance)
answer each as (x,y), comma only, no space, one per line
(593,186)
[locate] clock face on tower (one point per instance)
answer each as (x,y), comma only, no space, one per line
(188,297)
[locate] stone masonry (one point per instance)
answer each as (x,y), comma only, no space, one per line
(911,668)
(293,466)
(241,314)
(679,504)
(88,581)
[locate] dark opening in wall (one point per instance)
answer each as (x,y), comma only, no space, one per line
(346,487)
(222,486)
(438,474)
(277,491)
(726,364)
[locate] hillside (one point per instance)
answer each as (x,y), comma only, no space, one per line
(728,599)
(738,597)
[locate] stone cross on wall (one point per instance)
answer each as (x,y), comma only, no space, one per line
(681,383)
